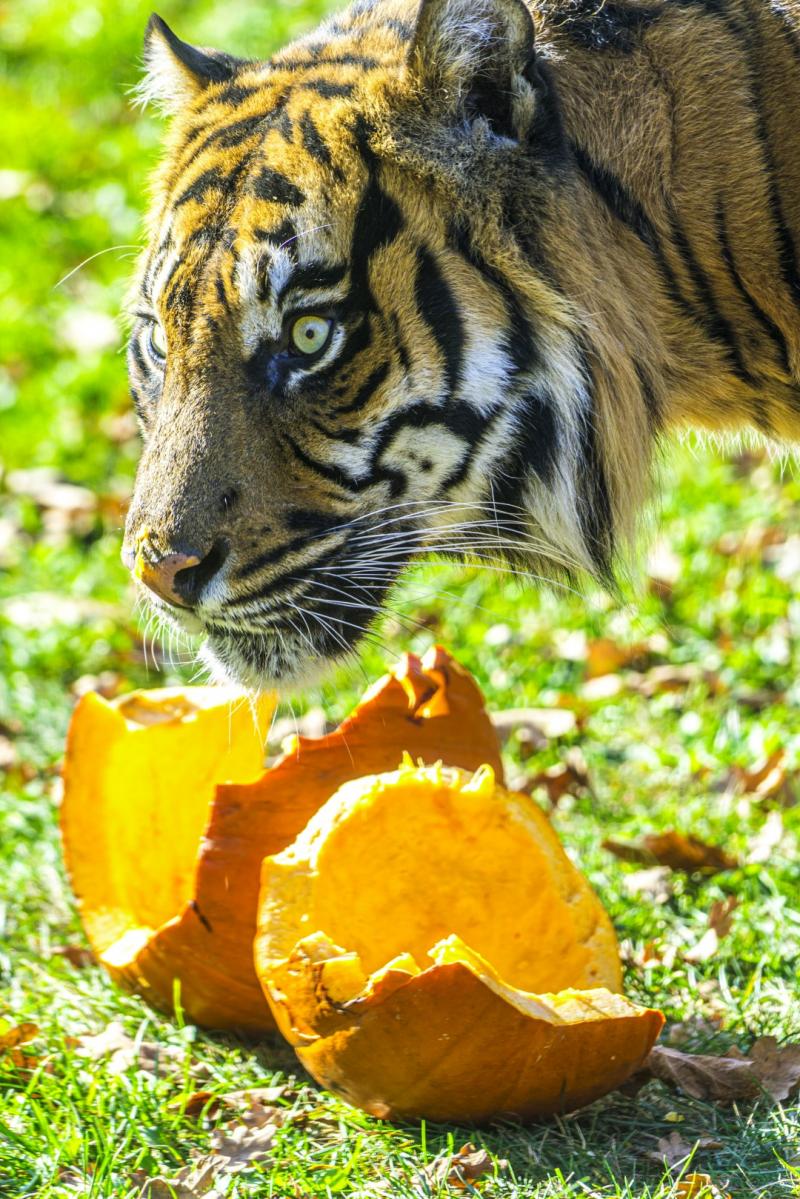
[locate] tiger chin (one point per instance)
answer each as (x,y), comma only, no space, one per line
(440,276)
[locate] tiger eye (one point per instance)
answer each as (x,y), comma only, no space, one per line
(309,334)
(158,339)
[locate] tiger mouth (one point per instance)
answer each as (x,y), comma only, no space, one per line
(296,643)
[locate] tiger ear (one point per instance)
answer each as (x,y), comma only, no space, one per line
(175,72)
(476,58)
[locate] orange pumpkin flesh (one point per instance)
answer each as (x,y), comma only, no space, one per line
(165,855)
(516,1016)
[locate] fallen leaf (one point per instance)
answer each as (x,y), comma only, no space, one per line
(663,570)
(776,1066)
(752,542)
(18,1034)
(769,1067)
(80,957)
(604,656)
(675,850)
(698,1186)
(767,839)
(547,723)
(768,779)
(678,678)
(605,687)
(565,778)
(703,1076)
(123,1052)
(674,1150)
(8,753)
(11,1038)
(461,1169)
(232,1153)
(720,921)
(655,883)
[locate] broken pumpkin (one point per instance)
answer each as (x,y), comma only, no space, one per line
(168,812)
(430,951)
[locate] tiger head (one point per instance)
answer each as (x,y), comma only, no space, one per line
(345,350)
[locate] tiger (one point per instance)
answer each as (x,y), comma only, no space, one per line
(442,276)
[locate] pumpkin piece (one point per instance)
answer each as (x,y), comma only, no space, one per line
(165,856)
(430,951)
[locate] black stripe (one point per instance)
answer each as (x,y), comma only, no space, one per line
(519,341)
(366,390)
(649,397)
(400,345)
(717,327)
(345,436)
(595,510)
(233,94)
(334,474)
(626,209)
(765,321)
(377,223)
(209,180)
(283,233)
(474,446)
(312,140)
(280,580)
(316,276)
(270,557)
(439,310)
(310,520)
(271,185)
(222,294)
(325,88)
(745,39)
(536,440)
(317,58)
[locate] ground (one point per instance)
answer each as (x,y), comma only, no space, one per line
(718,604)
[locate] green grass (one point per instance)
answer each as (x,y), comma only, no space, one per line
(79,156)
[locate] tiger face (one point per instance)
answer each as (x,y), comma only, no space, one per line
(340,357)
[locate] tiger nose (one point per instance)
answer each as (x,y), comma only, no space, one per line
(180,577)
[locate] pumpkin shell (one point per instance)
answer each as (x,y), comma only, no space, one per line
(168,813)
(518,1015)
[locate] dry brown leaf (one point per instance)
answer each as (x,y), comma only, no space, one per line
(123,1051)
(655,882)
(462,1169)
(80,957)
(776,1066)
(698,1186)
(766,779)
(232,1152)
(605,687)
(8,753)
(720,921)
(767,839)
(565,778)
(674,1150)
(675,850)
(677,678)
(769,1067)
(663,570)
(545,723)
(604,656)
(703,1076)
(19,1034)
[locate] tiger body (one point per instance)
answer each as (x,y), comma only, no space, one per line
(530,256)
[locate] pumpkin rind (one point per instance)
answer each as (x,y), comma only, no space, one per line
(195,924)
(467,1038)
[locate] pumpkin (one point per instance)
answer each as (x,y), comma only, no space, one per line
(168,812)
(430,951)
